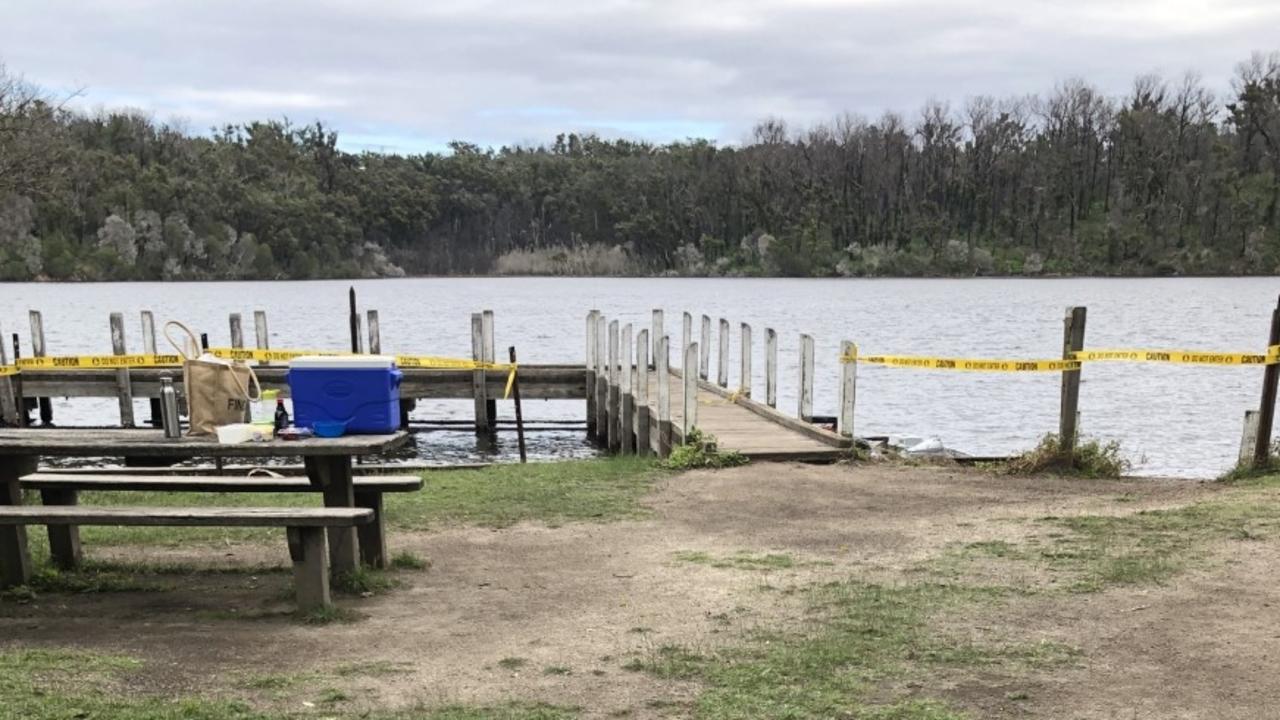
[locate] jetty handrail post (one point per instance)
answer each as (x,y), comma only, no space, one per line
(644,443)
(615,426)
(263,339)
(848,388)
(590,376)
(722,362)
(149,348)
(8,401)
(38,349)
(19,398)
(375,332)
(626,417)
(704,343)
(690,379)
(515,397)
(771,367)
(1072,342)
(657,328)
(805,411)
(686,330)
(744,379)
(125,392)
(353,319)
(236,330)
(662,371)
(479,377)
(1267,408)
(602,379)
(490,356)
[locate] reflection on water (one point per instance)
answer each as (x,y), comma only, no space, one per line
(1182,420)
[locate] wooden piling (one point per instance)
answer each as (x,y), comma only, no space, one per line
(590,365)
(149,348)
(38,349)
(686,331)
(490,356)
(515,397)
(1072,342)
(8,399)
(722,361)
(375,332)
(627,417)
(1249,438)
(690,380)
(771,367)
(602,380)
(260,333)
(805,411)
(237,330)
(644,443)
(662,373)
(704,345)
(353,319)
(1267,407)
(20,398)
(848,390)
(478,377)
(614,398)
(125,388)
(658,327)
(744,359)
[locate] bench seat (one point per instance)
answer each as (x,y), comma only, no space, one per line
(305,530)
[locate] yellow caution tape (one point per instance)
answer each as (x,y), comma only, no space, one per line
(8,370)
(97,362)
(1185,357)
(243,354)
(967,364)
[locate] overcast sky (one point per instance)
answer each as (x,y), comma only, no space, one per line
(408,76)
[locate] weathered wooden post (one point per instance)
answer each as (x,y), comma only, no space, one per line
(1072,342)
(686,331)
(125,392)
(237,331)
(848,387)
(375,332)
(590,365)
(1249,439)
(704,343)
(805,410)
(260,333)
(690,391)
(744,372)
(515,397)
(602,380)
(353,319)
(628,410)
(658,328)
(644,443)
(1267,408)
(19,397)
(662,373)
(38,349)
(722,362)
(771,367)
(8,400)
(149,348)
(490,356)
(615,400)
(479,377)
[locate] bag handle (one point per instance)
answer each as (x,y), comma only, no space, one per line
(191,348)
(244,387)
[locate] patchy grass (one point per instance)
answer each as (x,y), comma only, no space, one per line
(405,560)
(742,560)
(512,663)
(364,581)
(1091,459)
(700,450)
(557,670)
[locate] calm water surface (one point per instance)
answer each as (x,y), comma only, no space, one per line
(1171,420)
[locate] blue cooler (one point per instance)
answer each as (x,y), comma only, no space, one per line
(362,391)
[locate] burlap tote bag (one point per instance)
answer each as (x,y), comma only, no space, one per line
(217,390)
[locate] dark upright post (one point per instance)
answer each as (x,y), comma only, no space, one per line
(1072,342)
(1267,410)
(354,320)
(515,395)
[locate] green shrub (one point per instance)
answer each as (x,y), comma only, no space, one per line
(701,451)
(1092,459)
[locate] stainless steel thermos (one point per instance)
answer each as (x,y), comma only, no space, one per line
(169,408)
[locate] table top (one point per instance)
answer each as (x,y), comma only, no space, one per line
(139,443)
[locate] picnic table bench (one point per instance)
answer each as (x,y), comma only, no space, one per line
(328,463)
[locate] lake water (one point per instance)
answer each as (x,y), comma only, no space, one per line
(1171,420)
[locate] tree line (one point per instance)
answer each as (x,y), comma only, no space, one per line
(1169,179)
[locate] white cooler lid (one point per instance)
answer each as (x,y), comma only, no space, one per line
(343,362)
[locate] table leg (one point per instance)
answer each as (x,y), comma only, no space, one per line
(64,540)
(333,475)
(15,559)
(373,537)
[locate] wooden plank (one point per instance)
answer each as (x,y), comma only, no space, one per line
(614,397)
(38,349)
(704,342)
(1072,342)
(722,360)
(72,442)
(8,401)
(479,394)
(1248,441)
(310,568)
(848,390)
(589,380)
(626,418)
(805,411)
(644,445)
(1267,406)
(689,419)
(261,335)
(130,516)
(774,417)
(124,388)
(211,484)
(375,332)
(744,372)
(770,367)
(237,330)
(662,374)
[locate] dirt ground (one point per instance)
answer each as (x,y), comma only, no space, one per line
(566,607)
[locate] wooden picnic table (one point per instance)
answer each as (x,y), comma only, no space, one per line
(327,460)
